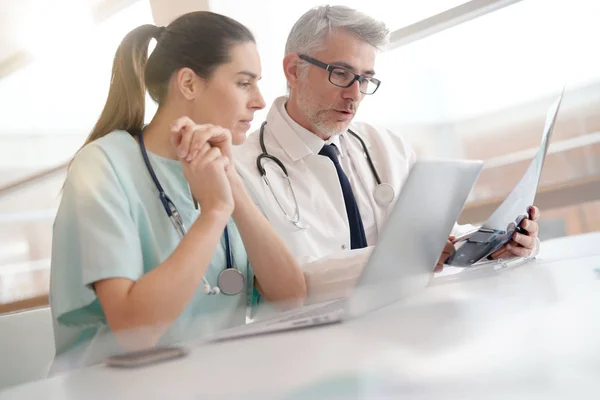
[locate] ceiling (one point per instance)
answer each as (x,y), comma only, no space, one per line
(30,26)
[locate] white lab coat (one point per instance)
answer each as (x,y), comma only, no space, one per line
(318,192)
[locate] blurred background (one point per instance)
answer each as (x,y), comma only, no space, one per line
(467,79)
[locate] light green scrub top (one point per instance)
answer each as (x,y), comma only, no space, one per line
(111,223)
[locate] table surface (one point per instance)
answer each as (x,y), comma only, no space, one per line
(531,331)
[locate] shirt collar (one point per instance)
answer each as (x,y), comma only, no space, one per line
(335,139)
(312,141)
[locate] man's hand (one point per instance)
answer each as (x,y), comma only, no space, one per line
(448,251)
(522,244)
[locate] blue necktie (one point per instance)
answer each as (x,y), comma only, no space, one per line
(358,239)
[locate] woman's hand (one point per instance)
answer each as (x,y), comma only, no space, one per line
(204,152)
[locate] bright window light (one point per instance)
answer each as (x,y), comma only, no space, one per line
(53,27)
(64,94)
(513,56)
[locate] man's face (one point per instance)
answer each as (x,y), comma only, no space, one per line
(329,109)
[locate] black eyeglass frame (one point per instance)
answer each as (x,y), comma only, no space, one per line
(331,68)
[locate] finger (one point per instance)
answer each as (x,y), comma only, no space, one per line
(500,253)
(199,152)
(180,123)
(450,247)
(213,154)
(446,254)
(451,238)
(220,135)
(530,226)
(221,163)
(199,138)
(225,160)
(517,250)
(186,128)
(187,135)
(176,139)
(179,131)
(524,240)
(216,133)
(222,139)
(443,259)
(439,267)
(534,213)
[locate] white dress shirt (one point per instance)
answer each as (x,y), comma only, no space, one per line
(315,143)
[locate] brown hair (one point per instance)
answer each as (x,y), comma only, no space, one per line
(199,40)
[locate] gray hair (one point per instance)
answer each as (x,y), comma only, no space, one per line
(308,33)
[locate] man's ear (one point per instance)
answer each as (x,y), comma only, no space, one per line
(188,83)
(291,70)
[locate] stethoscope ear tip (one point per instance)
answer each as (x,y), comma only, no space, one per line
(206,288)
(210,290)
(299,225)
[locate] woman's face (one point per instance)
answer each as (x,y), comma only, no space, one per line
(231,95)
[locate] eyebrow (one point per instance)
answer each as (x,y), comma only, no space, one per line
(350,67)
(250,74)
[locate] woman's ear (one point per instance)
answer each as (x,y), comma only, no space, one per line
(188,83)
(290,69)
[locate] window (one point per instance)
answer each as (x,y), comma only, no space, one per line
(49,107)
(55,101)
(513,56)
(478,90)
(271,21)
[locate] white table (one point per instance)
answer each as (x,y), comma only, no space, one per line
(528,332)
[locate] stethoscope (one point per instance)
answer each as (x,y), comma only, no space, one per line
(383,193)
(231,280)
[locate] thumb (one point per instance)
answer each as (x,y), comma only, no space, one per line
(176,137)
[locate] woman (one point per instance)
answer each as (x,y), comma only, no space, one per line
(121,267)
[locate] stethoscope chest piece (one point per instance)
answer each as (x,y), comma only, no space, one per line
(384,194)
(231,281)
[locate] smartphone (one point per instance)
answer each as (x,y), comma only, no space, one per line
(519,222)
(473,233)
(144,357)
(464,236)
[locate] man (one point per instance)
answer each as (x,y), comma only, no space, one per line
(330,204)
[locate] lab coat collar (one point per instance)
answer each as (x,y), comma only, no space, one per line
(297,141)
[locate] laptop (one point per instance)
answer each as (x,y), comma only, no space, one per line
(499,228)
(406,253)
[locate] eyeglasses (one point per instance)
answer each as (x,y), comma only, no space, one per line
(344,78)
